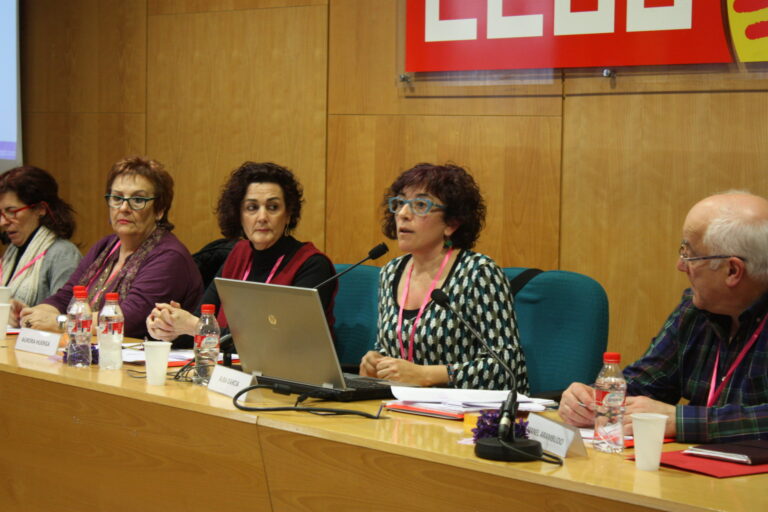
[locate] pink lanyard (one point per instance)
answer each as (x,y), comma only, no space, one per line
(97,274)
(714,390)
(427,298)
(271,273)
(25,267)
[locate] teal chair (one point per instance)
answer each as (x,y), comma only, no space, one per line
(356,313)
(563,322)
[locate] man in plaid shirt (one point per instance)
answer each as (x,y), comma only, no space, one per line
(713,349)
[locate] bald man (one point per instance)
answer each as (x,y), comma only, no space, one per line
(713,349)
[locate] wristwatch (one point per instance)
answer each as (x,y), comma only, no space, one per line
(61,322)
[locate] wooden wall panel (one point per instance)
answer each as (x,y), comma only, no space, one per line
(363,72)
(665,79)
(187,6)
(83,55)
(83,79)
(632,167)
(514,159)
(79,149)
(227,87)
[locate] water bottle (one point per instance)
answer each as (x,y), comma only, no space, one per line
(110,333)
(207,337)
(79,322)
(73,299)
(610,391)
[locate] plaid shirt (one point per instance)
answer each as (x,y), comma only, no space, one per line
(679,364)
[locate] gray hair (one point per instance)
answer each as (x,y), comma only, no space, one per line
(730,233)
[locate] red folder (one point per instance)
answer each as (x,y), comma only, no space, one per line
(710,467)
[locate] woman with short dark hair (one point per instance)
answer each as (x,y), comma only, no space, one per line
(142,260)
(38,224)
(261,205)
(436,213)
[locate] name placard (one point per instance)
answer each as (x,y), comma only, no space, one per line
(39,342)
(228,381)
(556,437)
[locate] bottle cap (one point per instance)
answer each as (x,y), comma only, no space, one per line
(208,309)
(78,287)
(113,296)
(612,357)
(80,293)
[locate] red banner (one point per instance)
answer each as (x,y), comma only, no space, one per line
(448,35)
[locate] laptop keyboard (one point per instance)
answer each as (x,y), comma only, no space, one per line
(364,383)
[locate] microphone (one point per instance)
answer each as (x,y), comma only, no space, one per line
(505,447)
(374,253)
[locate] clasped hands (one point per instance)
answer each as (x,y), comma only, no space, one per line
(577,407)
(169,321)
(376,365)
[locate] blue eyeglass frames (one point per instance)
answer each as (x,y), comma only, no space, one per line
(418,205)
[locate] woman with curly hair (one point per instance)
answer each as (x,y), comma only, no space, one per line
(436,213)
(39,224)
(261,205)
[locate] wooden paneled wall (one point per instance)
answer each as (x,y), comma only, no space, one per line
(579,172)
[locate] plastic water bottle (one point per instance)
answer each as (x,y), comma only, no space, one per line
(206,344)
(79,322)
(110,333)
(73,299)
(610,391)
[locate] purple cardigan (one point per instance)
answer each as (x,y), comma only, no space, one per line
(168,273)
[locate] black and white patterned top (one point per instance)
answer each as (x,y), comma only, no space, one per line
(479,290)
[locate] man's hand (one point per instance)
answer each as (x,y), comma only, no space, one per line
(644,404)
(577,405)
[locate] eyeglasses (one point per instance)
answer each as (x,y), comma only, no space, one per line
(136,203)
(419,205)
(10,213)
(683,251)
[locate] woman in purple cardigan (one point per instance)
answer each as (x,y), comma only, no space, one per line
(142,261)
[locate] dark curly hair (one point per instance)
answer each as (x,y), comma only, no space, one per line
(155,172)
(233,192)
(455,188)
(35,186)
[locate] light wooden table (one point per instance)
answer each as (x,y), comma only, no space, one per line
(88,440)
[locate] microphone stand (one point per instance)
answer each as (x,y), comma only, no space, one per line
(505,447)
(374,253)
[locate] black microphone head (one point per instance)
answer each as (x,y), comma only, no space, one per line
(378,251)
(441,298)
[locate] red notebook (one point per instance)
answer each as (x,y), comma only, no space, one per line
(711,467)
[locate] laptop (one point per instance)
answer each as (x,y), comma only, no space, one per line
(282,337)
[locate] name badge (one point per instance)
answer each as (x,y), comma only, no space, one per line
(39,342)
(228,381)
(556,437)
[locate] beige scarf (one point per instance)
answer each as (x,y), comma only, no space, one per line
(24,282)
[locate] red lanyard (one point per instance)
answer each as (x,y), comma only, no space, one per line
(714,390)
(106,260)
(403,300)
(25,267)
(271,273)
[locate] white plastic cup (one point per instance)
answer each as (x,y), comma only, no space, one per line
(156,354)
(648,432)
(5,295)
(5,312)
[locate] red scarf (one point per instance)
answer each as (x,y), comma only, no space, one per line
(242,255)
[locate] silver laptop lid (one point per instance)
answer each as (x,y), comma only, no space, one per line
(280,332)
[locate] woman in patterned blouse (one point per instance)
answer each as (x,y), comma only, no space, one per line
(436,214)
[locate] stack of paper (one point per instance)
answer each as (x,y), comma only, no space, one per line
(454,403)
